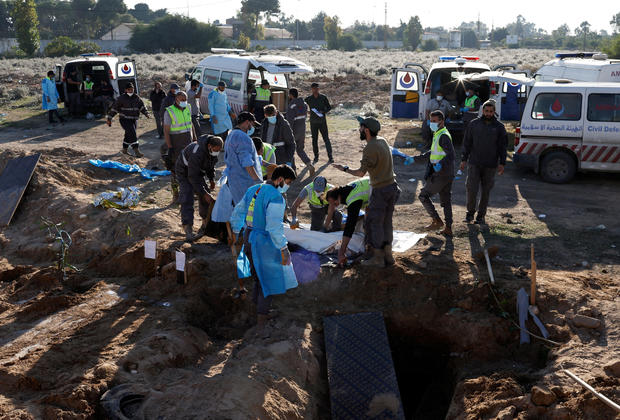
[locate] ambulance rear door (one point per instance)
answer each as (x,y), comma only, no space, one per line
(125,73)
(406,89)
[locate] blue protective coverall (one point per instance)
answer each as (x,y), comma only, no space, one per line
(220,108)
(50,94)
(266,238)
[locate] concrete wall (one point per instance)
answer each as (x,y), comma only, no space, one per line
(115,46)
(305,44)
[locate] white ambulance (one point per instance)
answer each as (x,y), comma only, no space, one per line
(580,67)
(99,66)
(241,71)
(413,86)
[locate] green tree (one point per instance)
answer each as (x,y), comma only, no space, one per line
(260,7)
(582,31)
(332,32)
(6,21)
(144,14)
(188,35)
(498,35)
(317,26)
(349,42)
(26,26)
(470,40)
(412,34)
(83,11)
(244,42)
(612,47)
(107,13)
(615,22)
(430,45)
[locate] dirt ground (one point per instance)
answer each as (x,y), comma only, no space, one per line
(189,351)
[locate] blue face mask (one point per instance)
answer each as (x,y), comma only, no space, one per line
(283,188)
(251,131)
(434,126)
(272,119)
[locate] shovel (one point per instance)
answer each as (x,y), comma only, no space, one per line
(241,291)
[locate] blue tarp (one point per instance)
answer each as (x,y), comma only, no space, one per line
(112,164)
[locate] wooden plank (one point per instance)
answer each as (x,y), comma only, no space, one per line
(13,183)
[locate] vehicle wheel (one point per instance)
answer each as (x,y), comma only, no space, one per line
(558,167)
(122,401)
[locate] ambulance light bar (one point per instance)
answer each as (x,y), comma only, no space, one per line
(575,55)
(455,57)
(95,54)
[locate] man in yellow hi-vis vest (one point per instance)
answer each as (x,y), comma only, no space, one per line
(439,174)
(316,195)
(178,132)
(259,98)
(471,106)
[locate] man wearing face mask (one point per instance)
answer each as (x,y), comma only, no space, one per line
(128,106)
(243,167)
(260,213)
(439,174)
(277,132)
(220,111)
(178,132)
(439,102)
(193,98)
(484,152)
(195,162)
(377,161)
(471,106)
(169,99)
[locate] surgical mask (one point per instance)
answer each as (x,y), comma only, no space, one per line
(272,119)
(439,98)
(467,94)
(251,131)
(129,93)
(183,104)
(283,188)
(214,154)
(88,79)
(434,126)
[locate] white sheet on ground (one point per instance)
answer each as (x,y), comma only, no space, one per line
(324,243)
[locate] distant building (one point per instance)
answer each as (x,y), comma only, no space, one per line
(427,36)
(444,38)
(512,40)
(485,43)
(122,32)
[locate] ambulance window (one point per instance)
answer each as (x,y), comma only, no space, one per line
(254,75)
(522,88)
(233,80)
(211,77)
(604,107)
(406,80)
(197,74)
(557,106)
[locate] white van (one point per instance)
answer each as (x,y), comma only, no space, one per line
(241,72)
(99,66)
(580,67)
(413,86)
(570,126)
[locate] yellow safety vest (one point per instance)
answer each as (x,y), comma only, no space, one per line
(313,197)
(249,218)
(88,85)
(361,191)
(470,101)
(268,151)
(180,119)
(263,94)
(437,152)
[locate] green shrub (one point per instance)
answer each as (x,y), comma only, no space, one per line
(63,45)
(349,42)
(430,45)
(612,47)
(244,42)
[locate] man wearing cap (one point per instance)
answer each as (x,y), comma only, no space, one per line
(243,168)
(128,106)
(277,132)
(439,174)
(196,162)
(319,107)
(178,133)
(377,161)
(316,194)
(220,111)
(157,96)
(259,98)
(193,99)
(169,99)
(296,114)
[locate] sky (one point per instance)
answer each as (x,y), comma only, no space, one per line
(545,14)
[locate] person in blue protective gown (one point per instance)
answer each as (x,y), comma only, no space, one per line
(260,214)
(220,111)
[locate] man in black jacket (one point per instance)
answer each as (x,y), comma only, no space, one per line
(196,161)
(319,106)
(157,96)
(439,174)
(128,106)
(170,99)
(277,132)
(484,151)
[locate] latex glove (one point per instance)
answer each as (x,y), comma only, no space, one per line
(409,160)
(437,167)
(286,256)
(109,122)
(465,109)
